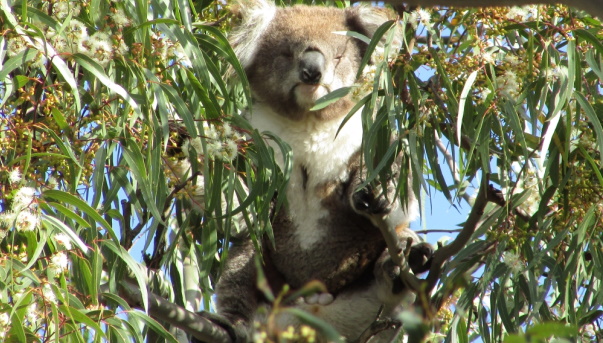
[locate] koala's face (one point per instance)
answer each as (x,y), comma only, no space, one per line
(300,55)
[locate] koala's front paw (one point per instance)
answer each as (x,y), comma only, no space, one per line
(372,201)
(420,257)
(388,272)
(237,333)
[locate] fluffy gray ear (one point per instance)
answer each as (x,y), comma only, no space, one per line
(255,15)
(366,20)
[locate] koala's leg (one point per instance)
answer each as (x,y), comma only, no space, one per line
(237,296)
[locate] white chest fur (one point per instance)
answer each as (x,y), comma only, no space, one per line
(319,152)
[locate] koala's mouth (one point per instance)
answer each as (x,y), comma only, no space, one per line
(306,95)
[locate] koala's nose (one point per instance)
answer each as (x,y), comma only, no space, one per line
(311,66)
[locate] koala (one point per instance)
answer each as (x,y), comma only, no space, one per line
(328,229)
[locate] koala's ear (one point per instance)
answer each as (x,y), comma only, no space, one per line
(366,20)
(255,17)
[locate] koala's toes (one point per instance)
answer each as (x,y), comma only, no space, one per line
(319,299)
(420,257)
(392,273)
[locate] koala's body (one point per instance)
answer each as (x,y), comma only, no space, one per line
(325,231)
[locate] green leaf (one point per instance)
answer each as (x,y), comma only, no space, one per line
(82,206)
(463,99)
(53,222)
(77,316)
(96,70)
(17,61)
(546,330)
(153,325)
(594,120)
(331,98)
(134,268)
(375,40)
(134,160)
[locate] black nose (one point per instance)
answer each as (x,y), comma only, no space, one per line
(311,67)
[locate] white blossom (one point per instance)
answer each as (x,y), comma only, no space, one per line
(227,130)
(76,31)
(7,219)
(14,176)
(4,319)
(512,59)
(120,18)
(32,313)
(513,261)
(532,11)
(22,220)
(509,84)
(196,144)
(15,46)
(484,92)
(553,73)
(121,48)
(23,198)
(64,240)
(48,293)
(62,9)
(230,150)
(424,17)
(210,132)
(213,149)
(488,58)
(60,262)
(100,48)
(27,221)
(517,13)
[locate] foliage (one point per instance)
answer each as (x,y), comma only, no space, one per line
(102,103)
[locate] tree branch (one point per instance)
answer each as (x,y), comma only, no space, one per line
(161,309)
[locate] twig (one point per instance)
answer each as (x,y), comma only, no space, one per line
(437,231)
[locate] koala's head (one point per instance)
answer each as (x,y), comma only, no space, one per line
(293,56)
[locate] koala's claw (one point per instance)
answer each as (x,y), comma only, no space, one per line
(319,299)
(366,200)
(420,257)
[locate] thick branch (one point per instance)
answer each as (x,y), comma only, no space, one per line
(166,311)
(594,7)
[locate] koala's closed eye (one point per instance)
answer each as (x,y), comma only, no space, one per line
(286,54)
